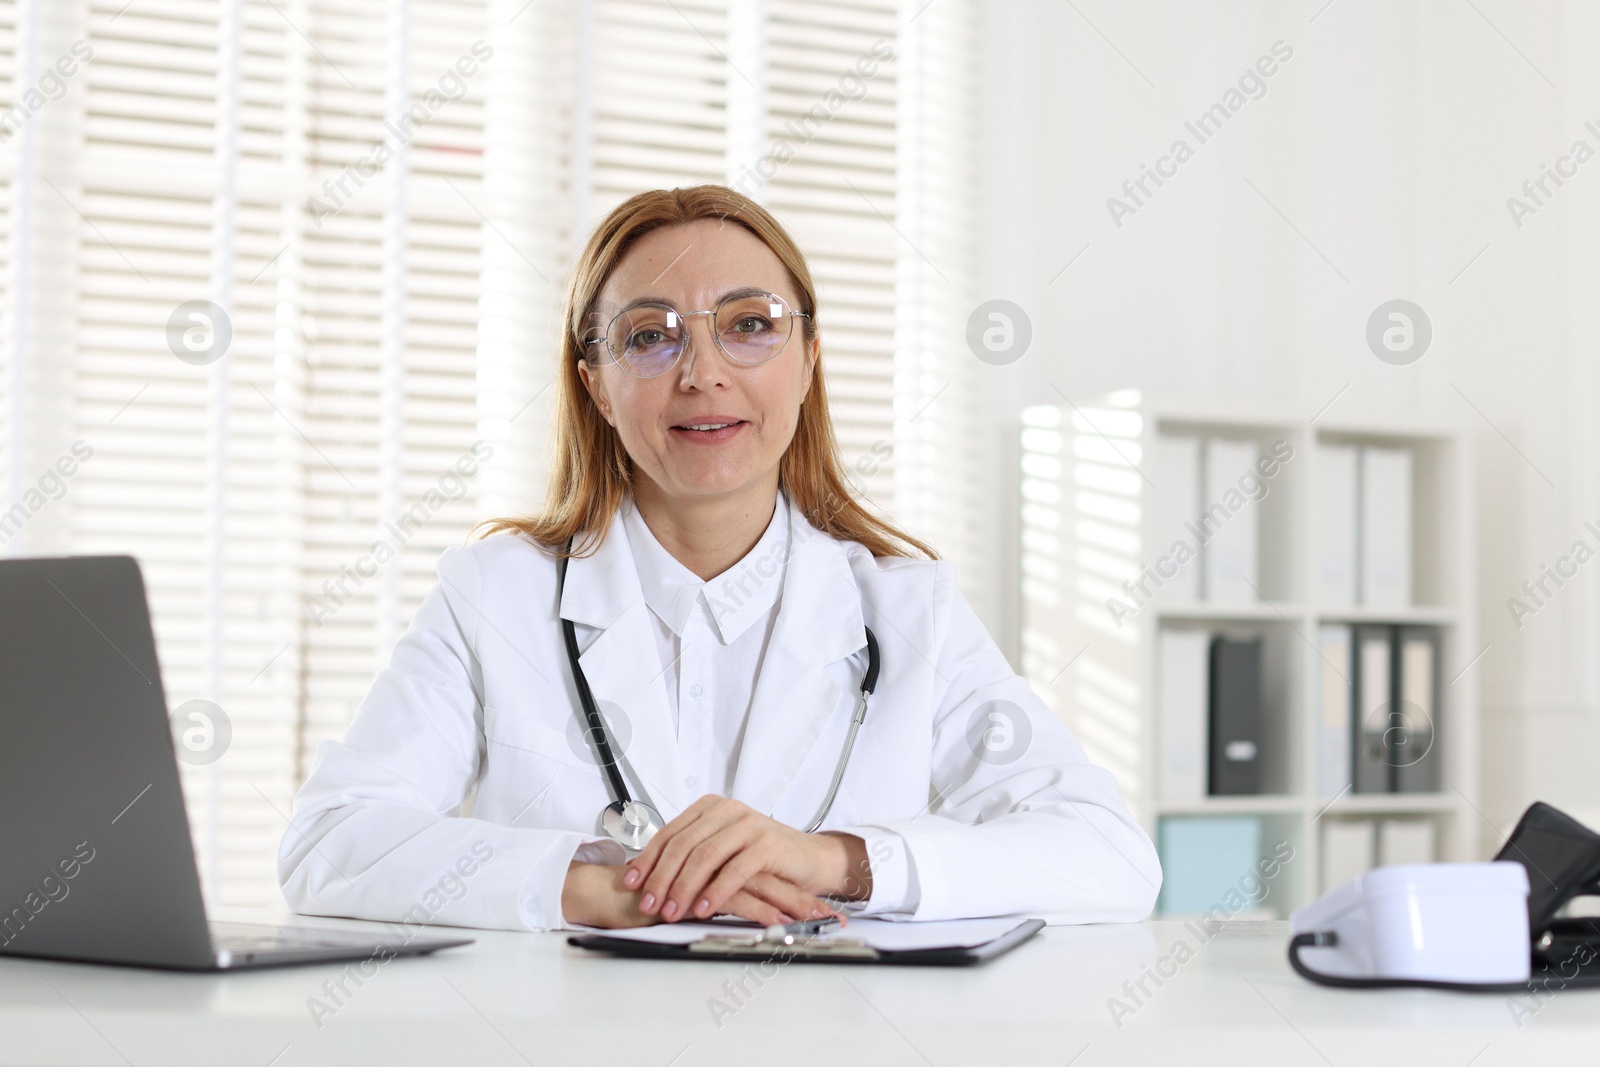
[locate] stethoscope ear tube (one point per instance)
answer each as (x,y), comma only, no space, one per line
(1325,939)
(869,681)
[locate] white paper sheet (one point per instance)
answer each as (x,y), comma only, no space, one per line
(889,936)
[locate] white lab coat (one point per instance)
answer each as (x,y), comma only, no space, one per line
(479,695)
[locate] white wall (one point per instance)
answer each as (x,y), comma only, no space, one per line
(1390,141)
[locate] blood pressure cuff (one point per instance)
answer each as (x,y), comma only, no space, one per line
(1562,857)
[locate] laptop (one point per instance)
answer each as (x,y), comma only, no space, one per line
(96,862)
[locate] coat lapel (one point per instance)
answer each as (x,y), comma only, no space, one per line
(819,623)
(603,590)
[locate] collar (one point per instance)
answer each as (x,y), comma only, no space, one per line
(736,597)
(819,625)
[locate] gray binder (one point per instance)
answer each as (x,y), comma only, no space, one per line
(1374,703)
(1414,749)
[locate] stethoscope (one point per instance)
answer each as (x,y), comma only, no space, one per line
(632,823)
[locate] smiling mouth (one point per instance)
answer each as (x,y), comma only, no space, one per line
(714,430)
(705,426)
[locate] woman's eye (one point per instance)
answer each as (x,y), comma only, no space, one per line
(751,324)
(647,338)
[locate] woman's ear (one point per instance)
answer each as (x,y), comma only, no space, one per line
(813,354)
(596,390)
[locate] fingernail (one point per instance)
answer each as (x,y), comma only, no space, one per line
(818,913)
(647,902)
(631,879)
(670,910)
(703,908)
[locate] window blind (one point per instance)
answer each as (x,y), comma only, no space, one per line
(383,198)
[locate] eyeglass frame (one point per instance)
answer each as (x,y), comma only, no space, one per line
(605,335)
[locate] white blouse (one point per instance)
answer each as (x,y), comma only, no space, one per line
(711,636)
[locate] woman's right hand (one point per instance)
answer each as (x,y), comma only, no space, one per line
(593,895)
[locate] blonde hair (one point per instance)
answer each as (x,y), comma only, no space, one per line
(590,471)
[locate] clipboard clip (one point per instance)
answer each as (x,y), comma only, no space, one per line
(760,946)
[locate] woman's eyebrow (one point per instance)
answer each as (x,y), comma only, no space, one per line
(748,290)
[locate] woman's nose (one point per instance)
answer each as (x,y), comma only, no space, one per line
(703,362)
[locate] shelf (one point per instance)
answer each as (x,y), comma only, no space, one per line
(1273,804)
(1278,612)
(1089,523)
(1316,807)
(1412,616)
(1291,803)
(1261,612)
(1392,803)
(1414,432)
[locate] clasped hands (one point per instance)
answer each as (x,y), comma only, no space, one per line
(721,857)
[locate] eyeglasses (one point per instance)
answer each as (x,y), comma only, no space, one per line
(750,326)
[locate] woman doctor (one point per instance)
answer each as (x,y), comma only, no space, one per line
(721,584)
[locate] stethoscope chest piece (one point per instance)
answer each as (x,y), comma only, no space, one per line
(630,823)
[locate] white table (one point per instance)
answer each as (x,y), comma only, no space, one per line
(532,999)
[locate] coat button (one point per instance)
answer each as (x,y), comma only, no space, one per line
(695,691)
(691,781)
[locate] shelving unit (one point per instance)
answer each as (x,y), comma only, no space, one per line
(1088,501)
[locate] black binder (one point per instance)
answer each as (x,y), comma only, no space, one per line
(1235,717)
(833,949)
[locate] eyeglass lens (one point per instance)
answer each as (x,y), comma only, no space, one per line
(648,338)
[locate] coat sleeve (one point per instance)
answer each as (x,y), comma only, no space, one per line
(1021,821)
(375,832)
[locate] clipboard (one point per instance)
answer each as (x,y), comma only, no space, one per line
(750,945)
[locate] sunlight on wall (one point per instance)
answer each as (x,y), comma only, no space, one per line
(1081,489)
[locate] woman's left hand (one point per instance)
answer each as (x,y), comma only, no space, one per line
(718,846)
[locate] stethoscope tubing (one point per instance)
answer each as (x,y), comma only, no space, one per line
(601,739)
(597,727)
(869,682)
